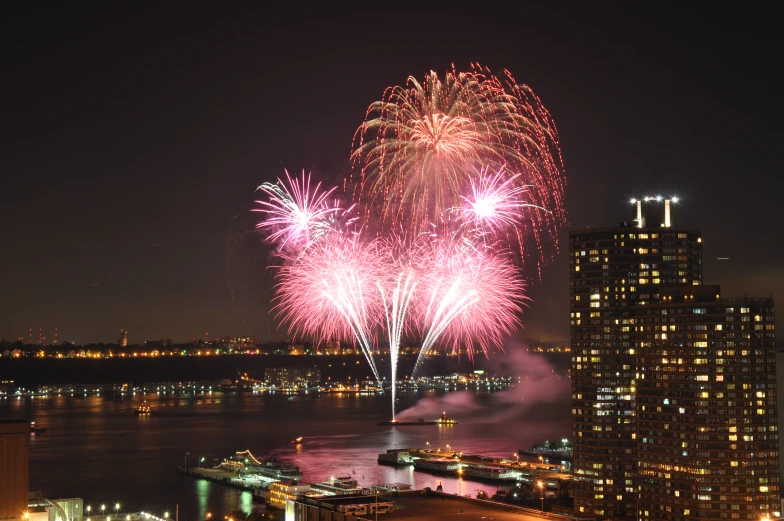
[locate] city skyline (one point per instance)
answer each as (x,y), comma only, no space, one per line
(134,215)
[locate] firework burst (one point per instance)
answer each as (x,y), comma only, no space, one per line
(470,298)
(296,213)
(330,292)
(425,142)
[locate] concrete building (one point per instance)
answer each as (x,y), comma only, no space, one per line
(123,338)
(636,292)
(14,469)
(56,509)
(284,490)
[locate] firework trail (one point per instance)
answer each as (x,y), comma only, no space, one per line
(425,142)
(397,289)
(471,298)
(296,213)
(329,292)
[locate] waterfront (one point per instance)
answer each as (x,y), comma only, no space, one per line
(95,448)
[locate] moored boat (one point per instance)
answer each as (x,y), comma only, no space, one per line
(437,465)
(443,420)
(485,472)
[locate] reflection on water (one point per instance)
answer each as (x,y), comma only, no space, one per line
(97,449)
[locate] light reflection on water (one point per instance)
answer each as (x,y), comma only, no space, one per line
(97,449)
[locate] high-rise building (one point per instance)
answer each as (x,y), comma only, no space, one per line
(706,418)
(636,292)
(14,469)
(123,338)
(612,270)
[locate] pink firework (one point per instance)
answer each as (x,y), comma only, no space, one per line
(329,292)
(469,298)
(495,202)
(296,214)
(423,144)
(497,210)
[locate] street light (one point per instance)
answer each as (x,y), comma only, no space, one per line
(116,509)
(201,460)
(541,493)
(428,445)
(166,515)
(103,507)
(517,457)
(88,509)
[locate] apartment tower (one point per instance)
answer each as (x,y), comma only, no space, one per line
(612,271)
(673,385)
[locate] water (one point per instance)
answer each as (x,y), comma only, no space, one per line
(97,449)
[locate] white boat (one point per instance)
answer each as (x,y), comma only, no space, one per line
(437,465)
(385,488)
(395,457)
(340,486)
(491,473)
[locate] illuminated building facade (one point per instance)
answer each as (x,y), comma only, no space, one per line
(292,376)
(285,490)
(673,386)
(707,421)
(123,338)
(14,469)
(612,271)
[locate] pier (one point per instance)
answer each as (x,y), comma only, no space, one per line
(256,485)
(476,459)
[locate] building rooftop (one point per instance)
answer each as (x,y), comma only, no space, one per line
(444,506)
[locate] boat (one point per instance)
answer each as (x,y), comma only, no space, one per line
(340,486)
(443,420)
(276,470)
(437,465)
(143,410)
(33,428)
(485,472)
(395,457)
(388,488)
(297,441)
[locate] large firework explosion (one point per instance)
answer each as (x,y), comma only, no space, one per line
(425,143)
(460,185)
(329,292)
(470,298)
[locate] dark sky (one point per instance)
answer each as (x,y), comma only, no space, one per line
(133,139)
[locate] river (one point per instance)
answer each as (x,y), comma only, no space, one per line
(97,449)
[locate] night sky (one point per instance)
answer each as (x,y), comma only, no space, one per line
(133,140)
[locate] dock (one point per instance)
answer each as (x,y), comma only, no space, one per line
(561,455)
(476,459)
(256,485)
